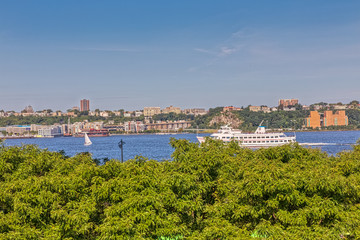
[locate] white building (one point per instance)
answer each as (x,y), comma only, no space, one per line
(134,126)
(52,131)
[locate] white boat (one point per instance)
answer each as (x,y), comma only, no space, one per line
(87,140)
(260,138)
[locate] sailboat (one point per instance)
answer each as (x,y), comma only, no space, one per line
(87,140)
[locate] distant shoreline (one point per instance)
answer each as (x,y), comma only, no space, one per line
(163,134)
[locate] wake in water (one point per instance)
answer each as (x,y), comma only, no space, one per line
(325,144)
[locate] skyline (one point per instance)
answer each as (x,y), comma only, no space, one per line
(288,104)
(187,54)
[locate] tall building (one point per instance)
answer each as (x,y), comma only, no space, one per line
(84,105)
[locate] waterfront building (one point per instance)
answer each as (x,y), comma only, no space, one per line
(168,125)
(338,118)
(18,129)
(23,129)
(134,126)
(84,105)
(93,125)
(288,102)
(170,109)
(326,119)
(51,131)
(313,121)
(151,111)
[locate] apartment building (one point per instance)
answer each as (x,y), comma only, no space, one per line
(151,111)
(84,105)
(314,120)
(288,102)
(326,119)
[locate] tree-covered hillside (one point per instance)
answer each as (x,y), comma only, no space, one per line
(212,191)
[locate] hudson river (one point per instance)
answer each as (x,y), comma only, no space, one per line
(157,146)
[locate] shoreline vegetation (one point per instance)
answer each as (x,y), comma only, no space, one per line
(208,191)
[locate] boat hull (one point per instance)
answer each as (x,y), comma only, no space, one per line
(249,145)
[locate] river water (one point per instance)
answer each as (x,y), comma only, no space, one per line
(157,146)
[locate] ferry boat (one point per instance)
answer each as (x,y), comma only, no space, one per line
(260,138)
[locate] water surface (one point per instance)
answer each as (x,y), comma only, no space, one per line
(157,146)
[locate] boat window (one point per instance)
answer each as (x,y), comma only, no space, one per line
(267,136)
(272,136)
(276,141)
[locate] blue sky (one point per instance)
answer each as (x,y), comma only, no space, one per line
(133,54)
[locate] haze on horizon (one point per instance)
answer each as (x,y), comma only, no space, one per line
(133,54)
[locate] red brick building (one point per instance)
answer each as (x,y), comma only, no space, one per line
(288,102)
(84,105)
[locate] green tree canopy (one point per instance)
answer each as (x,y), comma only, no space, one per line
(211,191)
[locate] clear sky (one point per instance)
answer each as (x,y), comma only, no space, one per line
(203,53)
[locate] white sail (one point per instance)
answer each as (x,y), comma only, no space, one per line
(87,140)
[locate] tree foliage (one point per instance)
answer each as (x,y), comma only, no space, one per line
(212,191)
